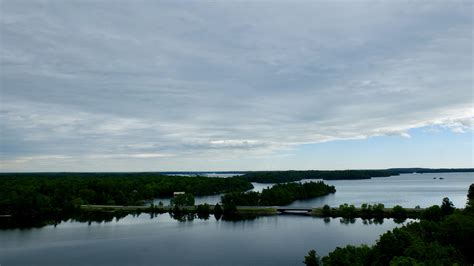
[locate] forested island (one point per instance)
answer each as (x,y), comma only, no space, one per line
(279,194)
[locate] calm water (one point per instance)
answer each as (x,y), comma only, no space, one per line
(407,190)
(273,240)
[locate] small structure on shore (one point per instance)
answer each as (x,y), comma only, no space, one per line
(178,193)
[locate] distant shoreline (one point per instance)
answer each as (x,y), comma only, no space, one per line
(400,170)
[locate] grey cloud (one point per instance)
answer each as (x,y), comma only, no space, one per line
(191,79)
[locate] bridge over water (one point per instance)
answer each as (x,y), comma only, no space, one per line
(293,210)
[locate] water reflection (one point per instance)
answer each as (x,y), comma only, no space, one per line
(347,220)
(180,215)
(150,238)
(379,221)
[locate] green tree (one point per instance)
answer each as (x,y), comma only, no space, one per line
(378,210)
(203,211)
(365,210)
(470,198)
(186,199)
(447,207)
(399,214)
(229,206)
(347,211)
(217,209)
(349,255)
(312,259)
(432,213)
(326,211)
(405,261)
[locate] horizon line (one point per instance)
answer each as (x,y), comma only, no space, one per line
(467,169)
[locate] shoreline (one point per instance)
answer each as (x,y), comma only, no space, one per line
(412,213)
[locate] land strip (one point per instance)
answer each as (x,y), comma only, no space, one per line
(259,210)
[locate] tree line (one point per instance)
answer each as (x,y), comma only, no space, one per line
(52,194)
(291,176)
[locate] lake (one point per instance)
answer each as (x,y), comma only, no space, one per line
(270,240)
(407,190)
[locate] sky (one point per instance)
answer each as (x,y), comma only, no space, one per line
(235,85)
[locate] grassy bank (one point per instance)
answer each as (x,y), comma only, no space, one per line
(163,209)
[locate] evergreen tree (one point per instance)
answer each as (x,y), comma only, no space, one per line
(447,207)
(312,259)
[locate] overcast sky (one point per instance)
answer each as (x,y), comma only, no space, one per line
(148,85)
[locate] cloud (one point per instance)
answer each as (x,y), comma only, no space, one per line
(459,125)
(199,80)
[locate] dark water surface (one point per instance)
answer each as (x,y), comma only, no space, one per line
(272,240)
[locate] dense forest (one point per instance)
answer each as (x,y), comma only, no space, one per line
(444,236)
(280,194)
(52,194)
(290,176)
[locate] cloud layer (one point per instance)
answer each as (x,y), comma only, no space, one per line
(92,80)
